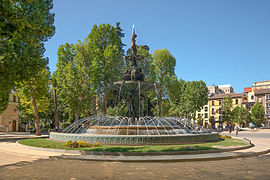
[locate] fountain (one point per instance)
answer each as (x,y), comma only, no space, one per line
(134,129)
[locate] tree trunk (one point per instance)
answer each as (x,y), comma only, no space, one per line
(55,109)
(77,113)
(95,106)
(105,103)
(77,116)
(37,125)
(159,103)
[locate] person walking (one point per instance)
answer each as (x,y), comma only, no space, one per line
(236,130)
(230,129)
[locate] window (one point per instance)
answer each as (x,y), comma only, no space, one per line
(252,97)
(236,101)
(14,98)
(220,101)
(199,115)
(205,109)
(219,111)
(206,115)
(268,113)
(213,110)
(267,96)
(213,103)
(268,105)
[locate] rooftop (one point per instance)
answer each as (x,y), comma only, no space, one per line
(221,96)
(262,91)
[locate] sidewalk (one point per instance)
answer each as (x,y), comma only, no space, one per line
(11,152)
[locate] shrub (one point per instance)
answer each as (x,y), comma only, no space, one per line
(225,136)
(96,144)
(82,144)
(69,143)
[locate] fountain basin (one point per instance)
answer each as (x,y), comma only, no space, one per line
(134,130)
(136,139)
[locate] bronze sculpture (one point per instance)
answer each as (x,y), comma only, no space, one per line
(135,72)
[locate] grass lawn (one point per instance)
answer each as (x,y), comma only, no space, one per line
(47,143)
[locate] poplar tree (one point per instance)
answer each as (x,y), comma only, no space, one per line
(24,26)
(257,114)
(34,95)
(162,66)
(104,45)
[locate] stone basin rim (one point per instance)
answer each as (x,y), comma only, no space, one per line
(109,135)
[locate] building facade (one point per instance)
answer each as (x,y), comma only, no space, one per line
(263,96)
(213,91)
(9,118)
(204,115)
(216,104)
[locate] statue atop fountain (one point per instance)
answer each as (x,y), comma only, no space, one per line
(135,72)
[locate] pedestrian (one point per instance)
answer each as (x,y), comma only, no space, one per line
(230,129)
(236,130)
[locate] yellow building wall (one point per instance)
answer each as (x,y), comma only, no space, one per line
(217,106)
(202,113)
(249,96)
(9,118)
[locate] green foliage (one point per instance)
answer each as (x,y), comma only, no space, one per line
(24,27)
(73,79)
(200,121)
(85,70)
(195,97)
(120,34)
(161,69)
(119,110)
(212,121)
(34,96)
(227,109)
(241,115)
(257,114)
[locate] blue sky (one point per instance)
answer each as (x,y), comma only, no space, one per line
(217,41)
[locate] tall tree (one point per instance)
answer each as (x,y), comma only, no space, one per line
(162,66)
(241,115)
(54,84)
(226,109)
(258,114)
(105,46)
(176,89)
(195,97)
(120,34)
(24,26)
(34,93)
(73,77)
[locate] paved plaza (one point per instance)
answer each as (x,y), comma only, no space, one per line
(17,162)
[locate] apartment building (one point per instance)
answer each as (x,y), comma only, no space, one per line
(216,102)
(263,96)
(204,113)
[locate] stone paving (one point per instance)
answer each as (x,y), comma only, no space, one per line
(17,162)
(255,168)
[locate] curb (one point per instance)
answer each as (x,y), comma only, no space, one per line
(232,156)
